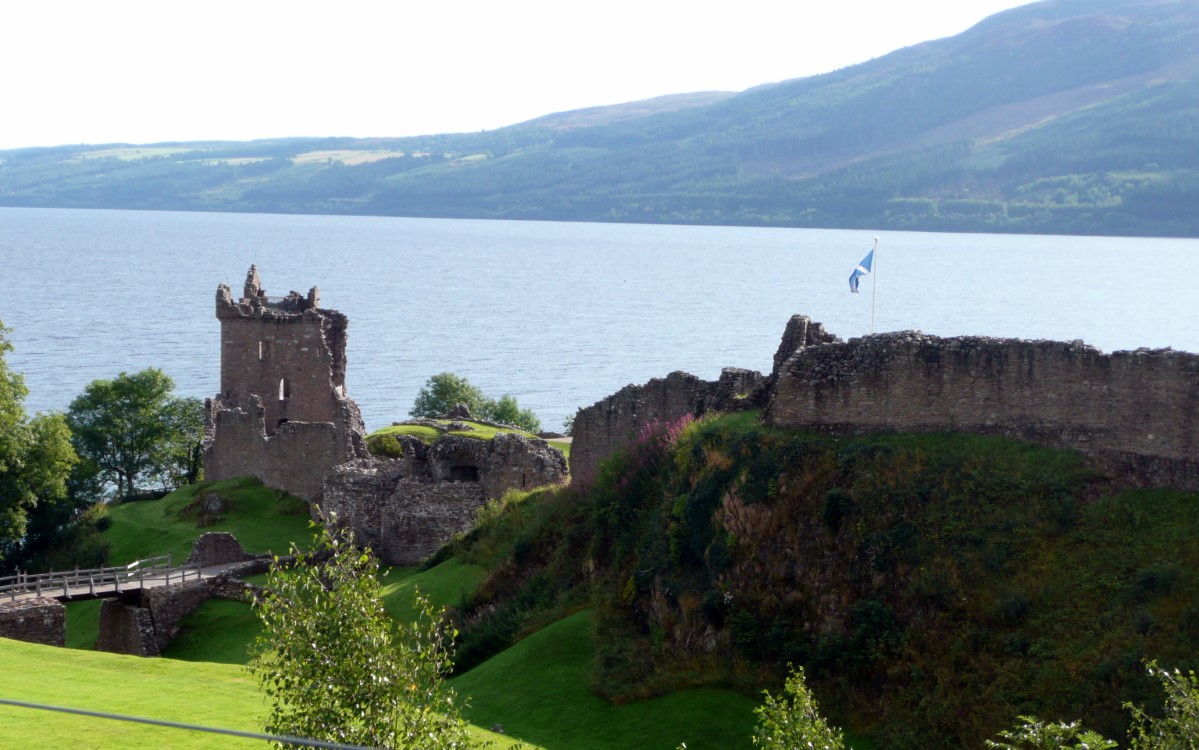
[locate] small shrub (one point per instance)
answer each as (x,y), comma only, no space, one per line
(793,720)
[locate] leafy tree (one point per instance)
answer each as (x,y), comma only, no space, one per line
(133,430)
(446,390)
(443,392)
(793,720)
(35,457)
(181,460)
(1178,729)
(507,411)
(335,667)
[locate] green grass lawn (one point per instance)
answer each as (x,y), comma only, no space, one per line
(83,623)
(219,630)
(445,585)
(538,690)
(222,631)
(260,518)
(429,434)
(424,433)
(207,694)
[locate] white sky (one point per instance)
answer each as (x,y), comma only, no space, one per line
(140,72)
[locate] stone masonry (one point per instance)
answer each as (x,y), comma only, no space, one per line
(1135,413)
(39,620)
(282,414)
(406,508)
(608,425)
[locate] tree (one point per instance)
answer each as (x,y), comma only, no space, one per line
(133,430)
(507,411)
(793,720)
(181,460)
(335,667)
(1178,729)
(35,457)
(443,392)
(446,390)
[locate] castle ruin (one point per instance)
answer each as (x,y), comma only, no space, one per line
(1133,414)
(282,415)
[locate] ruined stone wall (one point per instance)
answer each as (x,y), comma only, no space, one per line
(40,620)
(404,520)
(289,353)
(294,459)
(217,548)
(608,425)
(1134,411)
(282,414)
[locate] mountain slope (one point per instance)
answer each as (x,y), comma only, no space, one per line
(1074,116)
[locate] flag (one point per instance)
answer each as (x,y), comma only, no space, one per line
(863,269)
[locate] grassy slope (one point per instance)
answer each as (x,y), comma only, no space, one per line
(260,519)
(217,695)
(221,631)
(538,690)
(210,694)
(935,586)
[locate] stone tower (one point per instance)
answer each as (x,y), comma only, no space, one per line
(282,414)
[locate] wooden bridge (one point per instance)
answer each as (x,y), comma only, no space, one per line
(96,583)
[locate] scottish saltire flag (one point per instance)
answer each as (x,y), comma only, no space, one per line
(863,269)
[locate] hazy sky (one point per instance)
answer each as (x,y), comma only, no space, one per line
(140,72)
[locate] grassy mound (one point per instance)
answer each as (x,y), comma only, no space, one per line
(382,442)
(262,519)
(934,586)
(539,691)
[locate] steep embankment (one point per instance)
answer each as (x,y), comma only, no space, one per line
(934,586)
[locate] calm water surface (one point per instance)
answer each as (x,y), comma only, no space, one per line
(557,314)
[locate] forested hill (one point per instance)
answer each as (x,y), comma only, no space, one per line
(1070,116)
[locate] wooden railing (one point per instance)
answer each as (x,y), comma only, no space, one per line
(157,571)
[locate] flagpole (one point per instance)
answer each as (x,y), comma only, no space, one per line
(874,285)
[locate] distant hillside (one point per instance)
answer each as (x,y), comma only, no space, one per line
(1070,116)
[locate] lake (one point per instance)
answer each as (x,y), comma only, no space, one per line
(559,315)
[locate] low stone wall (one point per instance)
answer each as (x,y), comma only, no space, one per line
(404,520)
(1135,413)
(34,621)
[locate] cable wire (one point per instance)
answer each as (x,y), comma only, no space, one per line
(188,727)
